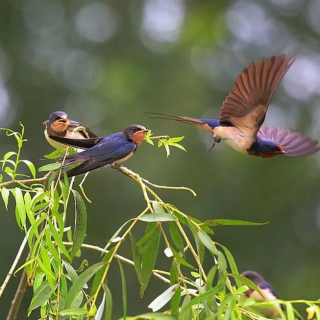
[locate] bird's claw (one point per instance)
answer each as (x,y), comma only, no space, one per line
(212,145)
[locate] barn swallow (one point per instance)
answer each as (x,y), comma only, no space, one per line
(59,125)
(101,152)
(244,110)
(267,292)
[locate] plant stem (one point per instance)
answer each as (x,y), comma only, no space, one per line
(16,302)
(13,266)
(27,181)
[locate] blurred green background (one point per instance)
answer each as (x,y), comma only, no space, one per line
(107,62)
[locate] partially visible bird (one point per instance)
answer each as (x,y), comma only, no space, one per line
(267,292)
(244,110)
(58,125)
(101,152)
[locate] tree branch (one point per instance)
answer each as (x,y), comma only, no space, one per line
(27,181)
(16,302)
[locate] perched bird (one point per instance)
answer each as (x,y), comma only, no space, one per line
(267,292)
(59,125)
(101,152)
(244,110)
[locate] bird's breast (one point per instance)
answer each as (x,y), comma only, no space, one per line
(235,138)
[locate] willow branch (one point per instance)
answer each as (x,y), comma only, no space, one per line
(156,273)
(27,181)
(13,266)
(16,302)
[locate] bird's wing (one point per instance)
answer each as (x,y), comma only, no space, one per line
(99,156)
(78,143)
(83,130)
(293,143)
(246,105)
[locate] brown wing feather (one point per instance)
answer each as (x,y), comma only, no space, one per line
(246,105)
(293,143)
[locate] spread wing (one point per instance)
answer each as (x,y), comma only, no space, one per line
(293,143)
(246,105)
(99,156)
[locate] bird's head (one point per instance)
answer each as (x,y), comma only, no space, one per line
(253,276)
(135,133)
(266,149)
(58,121)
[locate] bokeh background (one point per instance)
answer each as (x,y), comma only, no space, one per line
(105,63)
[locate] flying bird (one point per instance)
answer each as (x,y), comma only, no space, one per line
(58,125)
(244,110)
(267,292)
(100,152)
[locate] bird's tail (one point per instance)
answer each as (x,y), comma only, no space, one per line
(72,159)
(206,124)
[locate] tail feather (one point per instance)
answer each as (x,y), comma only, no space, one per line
(206,124)
(84,167)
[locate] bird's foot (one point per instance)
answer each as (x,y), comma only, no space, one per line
(212,145)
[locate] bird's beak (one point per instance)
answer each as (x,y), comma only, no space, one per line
(282,150)
(145,130)
(63,121)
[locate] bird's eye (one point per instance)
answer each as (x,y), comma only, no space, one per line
(135,129)
(57,118)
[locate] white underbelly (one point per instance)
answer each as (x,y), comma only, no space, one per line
(234,138)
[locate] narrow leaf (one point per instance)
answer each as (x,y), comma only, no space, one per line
(207,242)
(149,257)
(5,196)
(154,217)
(31,167)
(164,298)
(81,281)
(73,312)
(41,295)
(20,206)
(50,166)
(80,223)
(227,222)
(124,290)
(108,296)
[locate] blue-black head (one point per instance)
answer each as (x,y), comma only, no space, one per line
(266,149)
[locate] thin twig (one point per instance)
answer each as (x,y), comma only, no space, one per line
(13,266)
(16,302)
(133,176)
(27,181)
(156,273)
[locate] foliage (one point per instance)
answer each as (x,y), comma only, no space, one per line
(63,292)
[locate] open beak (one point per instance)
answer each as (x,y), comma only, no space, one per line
(64,121)
(282,150)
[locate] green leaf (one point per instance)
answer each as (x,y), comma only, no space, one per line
(186,315)
(200,298)
(73,312)
(290,312)
(232,263)
(152,316)
(180,259)
(207,242)
(97,278)
(5,196)
(145,242)
(31,167)
(20,207)
(58,239)
(164,298)
(80,223)
(124,289)
(174,279)
(199,244)
(210,278)
(154,217)
(108,296)
(157,207)
(149,256)
(249,283)
(136,258)
(50,166)
(55,154)
(175,235)
(6,157)
(81,281)
(40,296)
(227,222)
